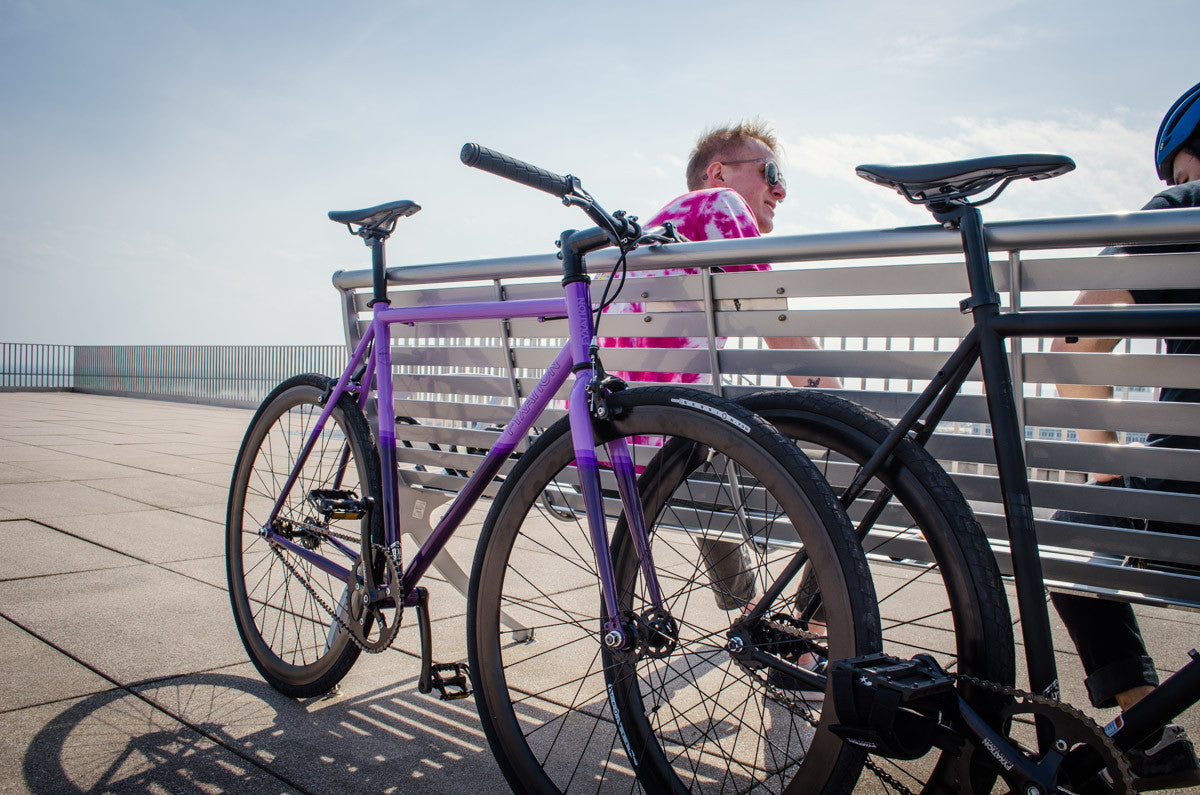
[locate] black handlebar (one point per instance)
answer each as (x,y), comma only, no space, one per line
(618,229)
(517,170)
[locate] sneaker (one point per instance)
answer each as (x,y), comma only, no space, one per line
(1164,761)
(728,568)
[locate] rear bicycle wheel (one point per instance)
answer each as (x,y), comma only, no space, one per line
(283,604)
(560,712)
(940,591)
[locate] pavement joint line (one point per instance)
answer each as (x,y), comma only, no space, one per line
(142,683)
(90,484)
(163,567)
(147,470)
(415,655)
(178,512)
(122,553)
(218,741)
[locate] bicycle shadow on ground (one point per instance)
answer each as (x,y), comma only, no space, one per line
(222,732)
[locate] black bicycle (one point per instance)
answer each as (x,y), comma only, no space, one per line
(953,721)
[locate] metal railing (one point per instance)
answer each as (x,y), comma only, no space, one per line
(884,321)
(227,375)
(36,366)
(884,306)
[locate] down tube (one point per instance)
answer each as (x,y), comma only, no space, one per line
(513,433)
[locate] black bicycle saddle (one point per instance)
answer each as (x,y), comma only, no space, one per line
(378,219)
(944,183)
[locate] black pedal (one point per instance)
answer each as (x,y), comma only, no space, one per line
(890,706)
(338,503)
(912,679)
(451,680)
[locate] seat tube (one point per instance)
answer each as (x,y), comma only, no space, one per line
(385,411)
(1010,461)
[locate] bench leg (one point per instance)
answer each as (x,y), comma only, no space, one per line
(416,507)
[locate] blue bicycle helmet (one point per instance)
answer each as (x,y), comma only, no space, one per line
(1177,127)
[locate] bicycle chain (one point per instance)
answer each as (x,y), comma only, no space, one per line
(336,615)
(319,529)
(801,709)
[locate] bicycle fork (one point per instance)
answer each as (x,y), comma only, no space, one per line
(617,635)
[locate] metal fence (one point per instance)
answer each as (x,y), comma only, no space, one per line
(35,366)
(228,375)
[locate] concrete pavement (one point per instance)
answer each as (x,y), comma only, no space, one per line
(121,668)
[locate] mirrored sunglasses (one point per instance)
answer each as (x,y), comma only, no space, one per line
(770,170)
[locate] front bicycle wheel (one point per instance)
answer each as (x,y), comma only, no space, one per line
(938,584)
(283,604)
(561,713)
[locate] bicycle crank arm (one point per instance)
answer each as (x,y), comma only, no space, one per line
(451,680)
(1017,770)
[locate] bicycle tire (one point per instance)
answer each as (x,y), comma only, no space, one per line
(559,712)
(964,583)
(291,638)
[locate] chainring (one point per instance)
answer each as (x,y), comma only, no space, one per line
(374,624)
(1072,731)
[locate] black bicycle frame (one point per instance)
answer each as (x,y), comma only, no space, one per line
(985,344)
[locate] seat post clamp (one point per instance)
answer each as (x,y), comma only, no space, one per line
(968,305)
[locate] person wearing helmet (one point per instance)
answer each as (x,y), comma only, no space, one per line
(1177,147)
(1105,632)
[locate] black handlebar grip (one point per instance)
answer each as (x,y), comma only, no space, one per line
(517,170)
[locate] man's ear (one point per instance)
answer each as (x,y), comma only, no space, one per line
(716,175)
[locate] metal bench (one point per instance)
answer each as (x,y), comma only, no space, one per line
(884,304)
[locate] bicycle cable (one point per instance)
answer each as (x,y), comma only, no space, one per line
(605,301)
(669,235)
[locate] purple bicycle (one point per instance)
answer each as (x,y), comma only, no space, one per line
(615,574)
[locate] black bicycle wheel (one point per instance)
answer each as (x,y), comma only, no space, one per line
(282,603)
(939,588)
(562,713)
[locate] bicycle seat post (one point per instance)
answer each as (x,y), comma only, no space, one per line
(969,222)
(378,270)
(374,226)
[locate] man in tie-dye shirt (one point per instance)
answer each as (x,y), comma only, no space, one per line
(734,184)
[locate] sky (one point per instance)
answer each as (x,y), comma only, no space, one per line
(166,167)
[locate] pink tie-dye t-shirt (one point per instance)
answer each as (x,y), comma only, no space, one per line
(711,214)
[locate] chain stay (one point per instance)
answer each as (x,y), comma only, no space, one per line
(352,627)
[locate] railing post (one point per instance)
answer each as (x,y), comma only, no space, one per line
(710,324)
(510,357)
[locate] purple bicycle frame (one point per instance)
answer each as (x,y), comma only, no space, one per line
(573,358)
